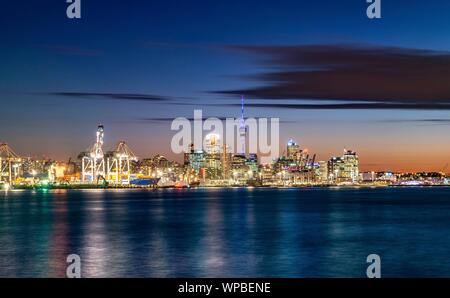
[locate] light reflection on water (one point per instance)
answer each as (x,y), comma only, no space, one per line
(226,232)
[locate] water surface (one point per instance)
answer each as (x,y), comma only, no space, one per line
(226,232)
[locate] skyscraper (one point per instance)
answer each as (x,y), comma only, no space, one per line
(344,169)
(293,149)
(213,158)
(351,166)
(212,143)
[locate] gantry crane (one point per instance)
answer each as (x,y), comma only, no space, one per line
(9,164)
(119,164)
(93,160)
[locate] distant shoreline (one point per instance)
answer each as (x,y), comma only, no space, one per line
(88,187)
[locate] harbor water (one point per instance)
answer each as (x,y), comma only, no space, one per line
(234,232)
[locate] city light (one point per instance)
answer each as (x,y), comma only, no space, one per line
(214,166)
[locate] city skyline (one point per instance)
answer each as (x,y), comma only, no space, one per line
(157,61)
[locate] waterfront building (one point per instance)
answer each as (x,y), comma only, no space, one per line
(213,157)
(226,158)
(213,166)
(197,163)
(239,169)
(422,178)
(284,164)
(159,166)
(303,177)
(335,168)
(293,150)
(195,159)
(57,171)
(379,178)
(145,167)
(368,177)
(322,172)
(266,174)
(36,167)
(212,143)
(386,177)
(252,165)
(351,167)
(161,162)
(344,169)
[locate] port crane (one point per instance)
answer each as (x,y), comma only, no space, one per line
(112,167)
(93,161)
(9,164)
(119,164)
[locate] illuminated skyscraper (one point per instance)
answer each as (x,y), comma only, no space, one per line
(293,149)
(335,168)
(239,168)
(344,169)
(213,158)
(226,162)
(212,143)
(351,166)
(297,156)
(197,160)
(252,164)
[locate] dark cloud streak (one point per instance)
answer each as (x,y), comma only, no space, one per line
(387,77)
(168,119)
(423,121)
(113,96)
(349,106)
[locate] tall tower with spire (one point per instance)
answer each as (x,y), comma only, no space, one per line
(242,129)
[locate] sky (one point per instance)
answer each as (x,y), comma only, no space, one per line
(335,78)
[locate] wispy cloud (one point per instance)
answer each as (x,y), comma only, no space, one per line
(114,96)
(170,119)
(348,106)
(373,77)
(419,120)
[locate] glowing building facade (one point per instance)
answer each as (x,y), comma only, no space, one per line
(344,169)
